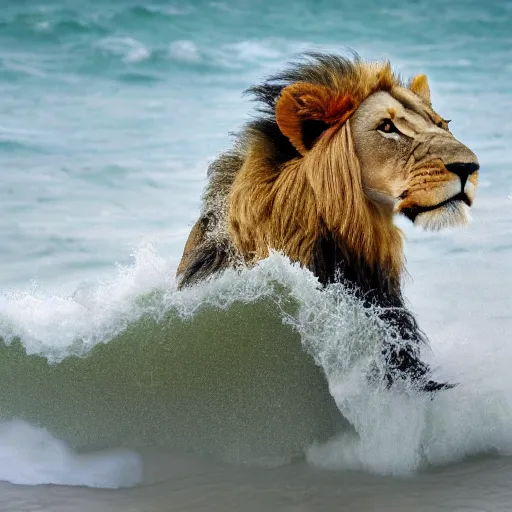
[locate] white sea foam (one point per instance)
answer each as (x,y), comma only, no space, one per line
(57,327)
(128,48)
(184,50)
(399,434)
(257,50)
(32,456)
(264,54)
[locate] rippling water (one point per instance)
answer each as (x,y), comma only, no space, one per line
(109,116)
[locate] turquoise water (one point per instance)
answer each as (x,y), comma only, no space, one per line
(111,110)
(109,115)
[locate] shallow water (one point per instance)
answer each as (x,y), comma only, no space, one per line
(246,392)
(192,484)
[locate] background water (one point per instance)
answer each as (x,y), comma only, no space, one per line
(109,115)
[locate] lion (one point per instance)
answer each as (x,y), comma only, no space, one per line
(341,147)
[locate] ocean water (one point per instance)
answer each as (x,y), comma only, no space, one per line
(247,392)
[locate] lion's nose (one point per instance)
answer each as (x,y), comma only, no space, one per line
(463,170)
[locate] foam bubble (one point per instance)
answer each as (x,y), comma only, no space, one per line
(32,456)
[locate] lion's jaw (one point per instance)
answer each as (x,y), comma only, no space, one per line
(436,198)
(414,165)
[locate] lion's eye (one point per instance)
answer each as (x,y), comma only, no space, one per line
(387,126)
(441,124)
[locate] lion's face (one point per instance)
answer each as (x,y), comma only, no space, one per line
(411,161)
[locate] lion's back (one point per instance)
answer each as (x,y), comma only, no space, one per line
(209,249)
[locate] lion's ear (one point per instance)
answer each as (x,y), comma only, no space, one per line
(305,111)
(419,85)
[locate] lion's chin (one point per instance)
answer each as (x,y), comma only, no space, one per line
(452,214)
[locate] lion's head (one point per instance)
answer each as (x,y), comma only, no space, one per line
(408,159)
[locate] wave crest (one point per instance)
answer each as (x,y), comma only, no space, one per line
(259,365)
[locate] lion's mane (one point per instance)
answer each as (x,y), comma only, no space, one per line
(262,195)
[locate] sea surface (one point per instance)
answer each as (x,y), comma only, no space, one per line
(247,392)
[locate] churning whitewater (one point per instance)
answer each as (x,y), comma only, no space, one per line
(258,366)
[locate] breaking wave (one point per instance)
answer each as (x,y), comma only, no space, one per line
(258,366)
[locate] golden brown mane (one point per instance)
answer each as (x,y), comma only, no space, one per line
(273,192)
(307,199)
(289,206)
